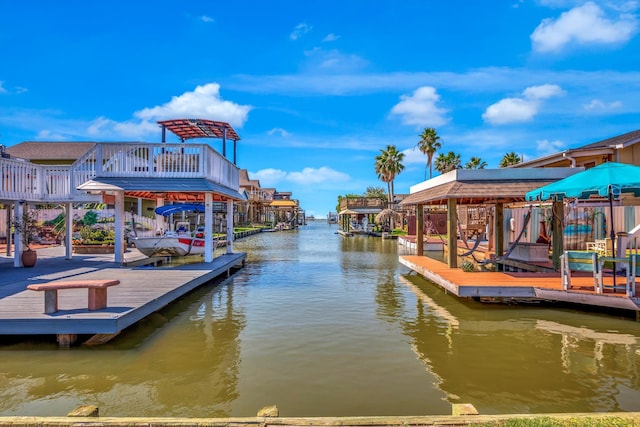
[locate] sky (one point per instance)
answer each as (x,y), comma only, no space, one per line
(316,89)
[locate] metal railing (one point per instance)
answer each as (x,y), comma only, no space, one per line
(23,180)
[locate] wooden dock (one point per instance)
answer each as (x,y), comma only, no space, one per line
(142,290)
(514,285)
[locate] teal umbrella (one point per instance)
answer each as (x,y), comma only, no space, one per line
(605,180)
(608,180)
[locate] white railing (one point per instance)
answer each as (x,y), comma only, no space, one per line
(163,161)
(22,180)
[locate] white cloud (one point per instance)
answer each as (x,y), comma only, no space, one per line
(420,108)
(2,89)
(48,135)
(332,60)
(269,177)
(317,176)
(205,18)
(278,131)
(523,109)
(545,147)
(542,91)
(585,24)
(414,156)
(597,105)
(307,176)
(203,102)
(299,31)
(330,37)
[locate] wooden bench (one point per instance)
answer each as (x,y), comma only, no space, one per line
(579,261)
(97,292)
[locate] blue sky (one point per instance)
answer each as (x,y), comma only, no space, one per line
(316,89)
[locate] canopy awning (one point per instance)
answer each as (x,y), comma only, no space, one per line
(484,185)
(360,211)
(283,204)
(192,189)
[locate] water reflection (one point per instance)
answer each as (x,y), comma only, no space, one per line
(148,380)
(323,325)
(512,359)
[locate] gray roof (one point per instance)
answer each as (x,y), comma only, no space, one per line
(39,150)
(624,139)
(160,185)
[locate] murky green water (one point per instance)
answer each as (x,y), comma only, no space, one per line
(323,325)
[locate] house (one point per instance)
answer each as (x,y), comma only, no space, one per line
(623,148)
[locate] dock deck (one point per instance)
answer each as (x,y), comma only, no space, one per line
(513,285)
(142,290)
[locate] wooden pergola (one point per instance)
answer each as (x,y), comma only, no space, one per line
(201,128)
(498,187)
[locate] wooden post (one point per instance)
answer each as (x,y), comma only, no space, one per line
(420,230)
(557,244)
(229,226)
(208,227)
(118,250)
(68,238)
(452,233)
(499,229)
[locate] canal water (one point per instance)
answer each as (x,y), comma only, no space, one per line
(323,325)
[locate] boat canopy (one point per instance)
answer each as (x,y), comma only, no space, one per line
(179,207)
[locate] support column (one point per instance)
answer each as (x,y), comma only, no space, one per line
(160,226)
(229,226)
(208,227)
(499,229)
(118,250)
(17,236)
(68,236)
(452,233)
(9,235)
(420,230)
(557,243)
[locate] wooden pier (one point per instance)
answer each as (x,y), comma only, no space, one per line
(514,285)
(142,290)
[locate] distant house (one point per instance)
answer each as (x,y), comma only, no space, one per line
(50,153)
(623,148)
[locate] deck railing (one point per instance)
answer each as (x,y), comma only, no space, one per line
(23,180)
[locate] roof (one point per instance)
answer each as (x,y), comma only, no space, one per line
(191,189)
(483,185)
(360,211)
(624,139)
(283,204)
(51,150)
(605,146)
(200,128)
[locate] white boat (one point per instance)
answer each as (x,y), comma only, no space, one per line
(180,241)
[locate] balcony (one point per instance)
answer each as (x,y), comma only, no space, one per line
(23,180)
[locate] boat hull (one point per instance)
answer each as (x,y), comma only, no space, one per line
(169,246)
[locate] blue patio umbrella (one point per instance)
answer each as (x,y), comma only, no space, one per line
(608,180)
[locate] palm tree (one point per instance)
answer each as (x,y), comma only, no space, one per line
(510,159)
(475,163)
(429,144)
(388,165)
(448,162)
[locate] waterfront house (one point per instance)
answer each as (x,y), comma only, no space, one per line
(107,172)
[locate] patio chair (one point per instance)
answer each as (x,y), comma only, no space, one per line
(579,261)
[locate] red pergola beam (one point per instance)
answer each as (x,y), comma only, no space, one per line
(200,128)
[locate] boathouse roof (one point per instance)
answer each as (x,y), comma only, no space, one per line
(484,185)
(175,189)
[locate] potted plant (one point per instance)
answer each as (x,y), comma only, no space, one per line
(27,225)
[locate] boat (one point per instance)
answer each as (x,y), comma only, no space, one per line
(181,241)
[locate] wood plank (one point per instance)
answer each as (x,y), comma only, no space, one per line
(543,286)
(141,291)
